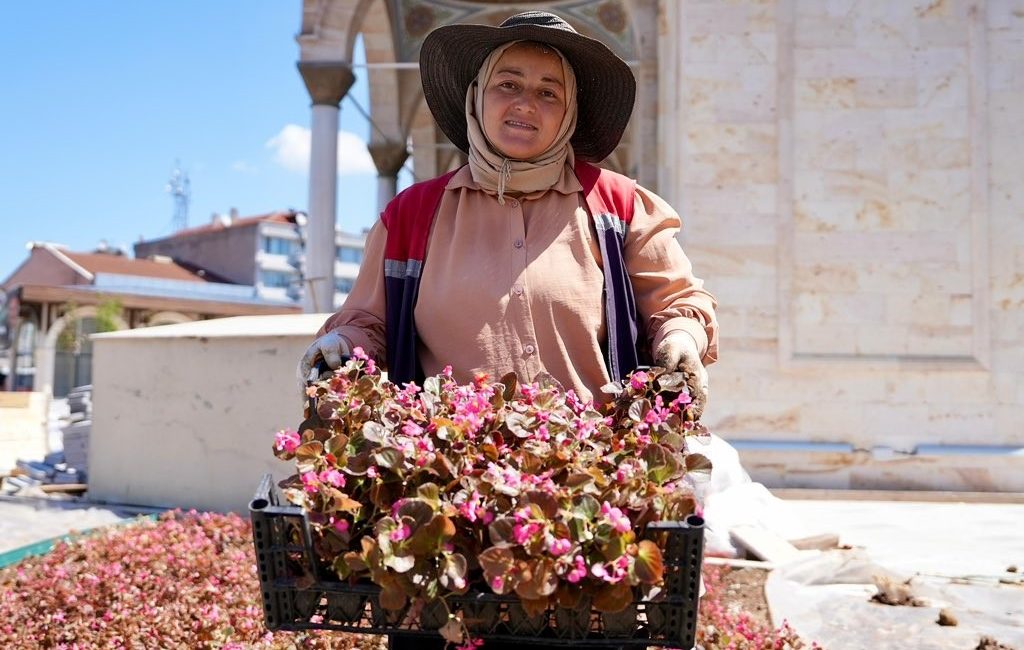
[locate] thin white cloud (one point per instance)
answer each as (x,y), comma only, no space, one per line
(291,149)
(244,167)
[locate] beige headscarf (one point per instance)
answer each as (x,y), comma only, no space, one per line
(496,174)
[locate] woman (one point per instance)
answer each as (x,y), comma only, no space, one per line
(527,259)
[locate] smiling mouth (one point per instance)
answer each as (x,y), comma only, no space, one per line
(520,125)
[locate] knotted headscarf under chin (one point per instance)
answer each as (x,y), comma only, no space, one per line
(497,174)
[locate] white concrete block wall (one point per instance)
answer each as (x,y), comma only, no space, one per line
(184,415)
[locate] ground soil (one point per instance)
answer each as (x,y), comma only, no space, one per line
(744,591)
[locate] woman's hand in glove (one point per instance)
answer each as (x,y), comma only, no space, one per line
(331,347)
(678,351)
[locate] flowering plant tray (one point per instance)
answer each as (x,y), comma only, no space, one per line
(301,593)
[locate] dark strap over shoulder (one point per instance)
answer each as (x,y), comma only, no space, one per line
(611,199)
(408,218)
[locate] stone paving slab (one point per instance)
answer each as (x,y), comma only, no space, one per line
(25,521)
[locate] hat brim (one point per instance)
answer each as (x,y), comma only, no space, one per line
(451,56)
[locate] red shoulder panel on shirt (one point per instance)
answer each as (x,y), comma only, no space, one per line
(607,192)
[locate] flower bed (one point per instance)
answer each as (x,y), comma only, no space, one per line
(189,580)
(519,489)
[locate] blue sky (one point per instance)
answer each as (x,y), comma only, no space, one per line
(100,98)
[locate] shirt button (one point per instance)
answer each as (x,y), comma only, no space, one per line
(517,289)
(518,243)
(529,349)
(515,204)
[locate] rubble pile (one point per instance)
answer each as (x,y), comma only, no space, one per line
(66,467)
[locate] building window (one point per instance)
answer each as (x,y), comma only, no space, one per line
(278,245)
(343,285)
(276,279)
(349,254)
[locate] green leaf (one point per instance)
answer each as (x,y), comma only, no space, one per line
(336,445)
(698,463)
(389,458)
(418,511)
(537,579)
(638,409)
(452,631)
(309,451)
(374,432)
(671,382)
(430,493)
(547,503)
(391,595)
(400,563)
(496,561)
(649,565)
(511,383)
(501,531)
(613,598)
(586,508)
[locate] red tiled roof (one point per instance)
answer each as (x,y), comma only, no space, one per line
(119,265)
(287,216)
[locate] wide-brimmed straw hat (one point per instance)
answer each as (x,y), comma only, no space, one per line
(451,56)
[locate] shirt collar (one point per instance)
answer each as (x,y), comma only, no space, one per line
(567,183)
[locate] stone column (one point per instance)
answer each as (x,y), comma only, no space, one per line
(327,82)
(388,156)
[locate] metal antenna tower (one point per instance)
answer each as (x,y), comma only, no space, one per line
(178,188)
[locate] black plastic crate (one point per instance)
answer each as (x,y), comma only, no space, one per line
(299,594)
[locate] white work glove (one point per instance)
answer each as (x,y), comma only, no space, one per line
(331,347)
(678,351)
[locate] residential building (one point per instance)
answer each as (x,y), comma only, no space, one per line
(266,251)
(56,298)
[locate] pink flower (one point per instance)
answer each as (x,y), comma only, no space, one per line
(287,440)
(402,532)
(619,521)
(559,546)
(638,380)
(498,584)
(371,471)
(310,482)
(332,477)
(341,526)
(579,570)
(412,429)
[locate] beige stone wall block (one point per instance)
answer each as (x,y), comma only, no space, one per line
(876,93)
(756,416)
(824,32)
(948,386)
(830,421)
(818,248)
(835,307)
(749,229)
(945,91)
(717,17)
(741,261)
(817,92)
(856,62)
(739,169)
(916,309)
(942,153)
(1008,421)
(826,153)
(1005,15)
(896,425)
(939,185)
(709,200)
(883,340)
(925,122)
(731,138)
(941,341)
(958,422)
(889,275)
(826,340)
(823,276)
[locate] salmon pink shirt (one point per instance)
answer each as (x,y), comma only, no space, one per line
(518,287)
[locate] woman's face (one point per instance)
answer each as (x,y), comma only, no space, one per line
(524,101)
